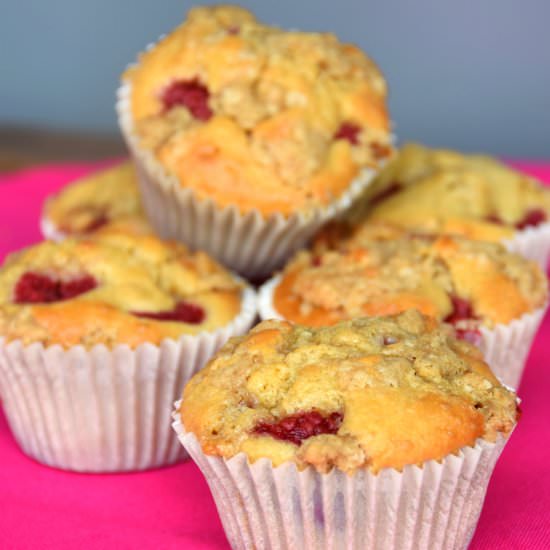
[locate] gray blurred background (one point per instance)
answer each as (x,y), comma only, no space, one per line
(472,75)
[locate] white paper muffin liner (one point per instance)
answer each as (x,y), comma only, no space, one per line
(105,410)
(432,507)
(532,243)
(248,243)
(50,231)
(504,347)
(266,307)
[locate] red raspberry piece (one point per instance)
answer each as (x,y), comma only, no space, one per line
(462,310)
(189,93)
(299,426)
(316,261)
(70,289)
(35,288)
(184,312)
(348,131)
(532,218)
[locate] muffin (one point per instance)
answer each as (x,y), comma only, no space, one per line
(106,200)
(493,298)
(440,191)
(248,137)
(98,339)
(372,433)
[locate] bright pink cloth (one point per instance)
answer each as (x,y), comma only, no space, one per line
(172,508)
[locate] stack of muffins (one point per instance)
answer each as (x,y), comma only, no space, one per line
(369,406)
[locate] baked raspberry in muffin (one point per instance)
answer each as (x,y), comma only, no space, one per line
(440,276)
(252,119)
(440,191)
(338,416)
(102,333)
(113,290)
(108,199)
(475,286)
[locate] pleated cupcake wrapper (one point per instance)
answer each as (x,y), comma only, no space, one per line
(248,243)
(104,410)
(266,307)
(433,507)
(50,231)
(532,243)
(504,347)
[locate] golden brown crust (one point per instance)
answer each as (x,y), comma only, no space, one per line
(267,137)
(132,274)
(107,200)
(377,272)
(406,393)
(442,191)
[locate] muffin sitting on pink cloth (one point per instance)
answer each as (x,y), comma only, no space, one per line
(372,433)
(98,338)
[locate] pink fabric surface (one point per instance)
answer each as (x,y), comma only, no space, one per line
(172,508)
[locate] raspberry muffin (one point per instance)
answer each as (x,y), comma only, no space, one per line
(106,200)
(248,137)
(484,291)
(440,191)
(372,433)
(98,338)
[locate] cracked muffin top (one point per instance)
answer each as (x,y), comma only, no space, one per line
(443,191)
(369,393)
(250,115)
(115,289)
(106,200)
(466,283)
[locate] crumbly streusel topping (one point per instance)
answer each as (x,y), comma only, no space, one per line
(251,115)
(376,271)
(372,392)
(115,288)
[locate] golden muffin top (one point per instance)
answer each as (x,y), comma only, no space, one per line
(369,393)
(250,115)
(103,200)
(115,289)
(376,272)
(444,191)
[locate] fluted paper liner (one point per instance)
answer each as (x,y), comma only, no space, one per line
(248,243)
(105,410)
(532,243)
(433,506)
(505,347)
